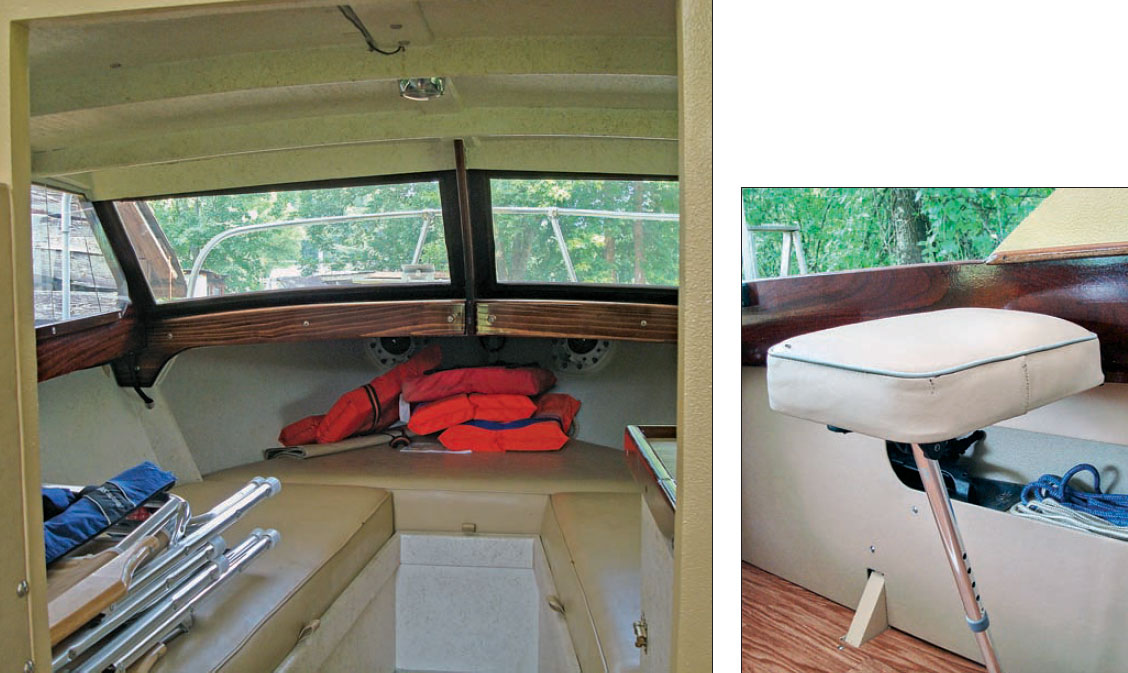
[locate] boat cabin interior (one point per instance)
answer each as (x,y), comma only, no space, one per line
(232,216)
(883,405)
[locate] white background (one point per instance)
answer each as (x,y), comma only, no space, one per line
(880,94)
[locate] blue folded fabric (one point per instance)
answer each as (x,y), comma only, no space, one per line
(99,508)
(55,500)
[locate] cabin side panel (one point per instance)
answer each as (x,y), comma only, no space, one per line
(91,429)
(821,509)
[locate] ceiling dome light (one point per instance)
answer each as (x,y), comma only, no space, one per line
(422,88)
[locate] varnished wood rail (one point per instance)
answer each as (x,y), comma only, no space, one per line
(1090,292)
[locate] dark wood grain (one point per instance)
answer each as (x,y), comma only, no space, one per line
(69,349)
(165,337)
(786,629)
(578,319)
(1090,292)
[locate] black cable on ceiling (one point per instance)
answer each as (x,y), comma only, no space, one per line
(350,14)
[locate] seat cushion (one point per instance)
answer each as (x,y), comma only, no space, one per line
(579,466)
(251,623)
(602,533)
(929,377)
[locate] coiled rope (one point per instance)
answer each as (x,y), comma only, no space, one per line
(1052,500)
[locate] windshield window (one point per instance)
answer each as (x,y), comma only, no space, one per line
(201,246)
(620,232)
(75,272)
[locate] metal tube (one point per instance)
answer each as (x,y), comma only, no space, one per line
(65,219)
(586,212)
(136,601)
(427,220)
(945,517)
(198,265)
(213,526)
(234,498)
(139,637)
(558,234)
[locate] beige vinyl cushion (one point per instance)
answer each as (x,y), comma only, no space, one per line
(933,376)
(602,534)
(579,466)
(328,534)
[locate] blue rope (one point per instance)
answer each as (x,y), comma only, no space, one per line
(1110,507)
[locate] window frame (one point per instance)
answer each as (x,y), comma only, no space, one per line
(485,266)
(452,231)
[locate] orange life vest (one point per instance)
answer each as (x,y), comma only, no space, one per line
(441,414)
(545,431)
(373,406)
(301,432)
(529,381)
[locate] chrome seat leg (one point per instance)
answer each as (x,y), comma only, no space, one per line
(957,558)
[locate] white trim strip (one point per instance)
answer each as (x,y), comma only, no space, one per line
(927,375)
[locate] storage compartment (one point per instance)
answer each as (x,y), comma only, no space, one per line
(446,603)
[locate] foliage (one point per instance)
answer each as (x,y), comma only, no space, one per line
(849,228)
(602,250)
(245,261)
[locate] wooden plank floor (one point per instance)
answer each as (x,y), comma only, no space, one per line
(787,629)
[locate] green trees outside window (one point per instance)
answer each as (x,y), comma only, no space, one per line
(857,228)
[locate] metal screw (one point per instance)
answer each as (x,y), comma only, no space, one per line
(305,323)
(873,549)
(450,318)
(21,588)
(642,323)
(916,510)
(490,319)
(170,335)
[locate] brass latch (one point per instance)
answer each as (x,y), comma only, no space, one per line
(640,633)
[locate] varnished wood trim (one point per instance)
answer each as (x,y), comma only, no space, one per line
(77,325)
(168,336)
(96,344)
(578,319)
(1089,292)
(1060,252)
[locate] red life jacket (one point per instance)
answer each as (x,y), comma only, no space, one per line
(559,407)
(301,432)
(529,381)
(373,406)
(539,433)
(441,414)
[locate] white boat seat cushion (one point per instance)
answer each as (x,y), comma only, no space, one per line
(933,376)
